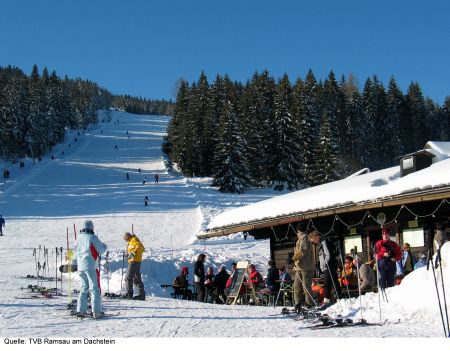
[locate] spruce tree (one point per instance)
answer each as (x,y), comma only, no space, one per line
(285,167)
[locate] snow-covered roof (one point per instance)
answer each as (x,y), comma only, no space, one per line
(368,187)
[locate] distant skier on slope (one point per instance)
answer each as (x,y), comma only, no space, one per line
(87,251)
(2,224)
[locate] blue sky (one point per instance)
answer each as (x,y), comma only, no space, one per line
(142,48)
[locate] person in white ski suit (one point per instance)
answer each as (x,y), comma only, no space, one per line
(88,250)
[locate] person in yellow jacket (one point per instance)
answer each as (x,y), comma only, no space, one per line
(133,277)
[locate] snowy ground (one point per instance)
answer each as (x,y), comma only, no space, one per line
(40,202)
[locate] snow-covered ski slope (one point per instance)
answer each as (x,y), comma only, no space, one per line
(89,181)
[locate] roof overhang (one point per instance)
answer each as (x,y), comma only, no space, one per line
(397,200)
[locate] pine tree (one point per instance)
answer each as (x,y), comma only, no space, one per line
(395,118)
(327,153)
(417,111)
(285,166)
(231,172)
(308,119)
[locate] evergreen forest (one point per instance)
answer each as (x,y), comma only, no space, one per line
(36,110)
(294,134)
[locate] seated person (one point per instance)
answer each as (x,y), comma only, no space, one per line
(285,277)
(180,285)
(367,278)
(209,285)
(231,282)
(220,281)
(272,280)
(348,276)
(422,262)
(255,278)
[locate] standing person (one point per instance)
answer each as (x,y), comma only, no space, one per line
(388,253)
(304,266)
(88,249)
(328,266)
(2,224)
(128,176)
(407,262)
(144,181)
(156,178)
(440,237)
(146,201)
(133,277)
(199,277)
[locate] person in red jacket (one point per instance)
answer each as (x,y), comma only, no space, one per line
(388,253)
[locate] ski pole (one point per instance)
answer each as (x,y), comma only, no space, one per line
(430,259)
(378,284)
(56,269)
(345,274)
(121,279)
(304,288)
(443,288)
(359,287)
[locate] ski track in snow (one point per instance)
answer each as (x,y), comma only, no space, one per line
(40,202)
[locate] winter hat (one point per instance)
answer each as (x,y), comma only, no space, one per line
(88,225)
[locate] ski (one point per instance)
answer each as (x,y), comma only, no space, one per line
(105,315)
(342,323)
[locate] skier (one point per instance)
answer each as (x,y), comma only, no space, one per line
(88,250)
(128,176)
(133,277)
(144,181)
(328,266)
(303,267)
(388,253)
(115,147)
(146,201)
(156,178)
(2,224)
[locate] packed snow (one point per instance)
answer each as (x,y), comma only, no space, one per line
(42,202)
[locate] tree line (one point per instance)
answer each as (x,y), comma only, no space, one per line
(36,110)
(294,135)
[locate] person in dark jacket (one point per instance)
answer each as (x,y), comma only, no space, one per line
(388,253)
(220,281)
(180,285)
(328,266)
(406,264)
(199,277)
(272,279)
(209,283)
(2,224)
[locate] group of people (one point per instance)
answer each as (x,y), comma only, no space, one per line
(389,261)
(215,287)
(6,174)
(88,250)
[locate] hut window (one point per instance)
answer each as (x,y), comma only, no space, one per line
(351,241)
(414,237)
